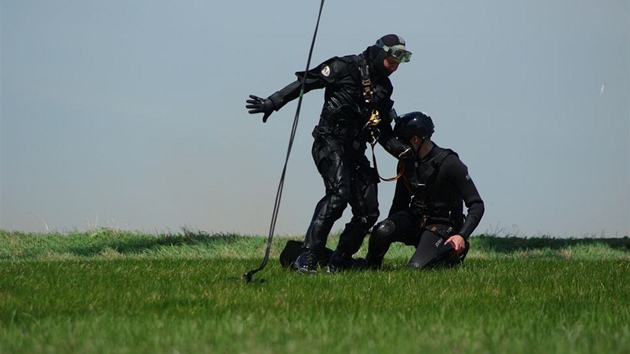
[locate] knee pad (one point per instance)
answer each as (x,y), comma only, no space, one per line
(383,229)
(379,243)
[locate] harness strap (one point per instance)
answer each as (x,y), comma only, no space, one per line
(368,97)
(444,233)
(434,166)
(375,119)
(366,82)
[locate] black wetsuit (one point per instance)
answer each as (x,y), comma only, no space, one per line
(340,142)
(429,198)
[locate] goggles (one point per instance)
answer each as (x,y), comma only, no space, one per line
(399,54)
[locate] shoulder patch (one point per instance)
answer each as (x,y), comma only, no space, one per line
(325,70)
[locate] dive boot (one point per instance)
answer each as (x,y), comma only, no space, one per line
(339,263)
(306,263)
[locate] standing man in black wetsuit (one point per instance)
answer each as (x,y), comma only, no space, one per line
(357,108)
(427,210)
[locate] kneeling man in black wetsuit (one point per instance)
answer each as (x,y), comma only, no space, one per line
(427,210)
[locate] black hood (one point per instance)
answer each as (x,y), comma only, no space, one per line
(375,56)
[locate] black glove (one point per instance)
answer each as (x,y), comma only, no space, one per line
(257,104)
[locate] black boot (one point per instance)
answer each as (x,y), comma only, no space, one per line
(306,263)
(373,262)
(340,262)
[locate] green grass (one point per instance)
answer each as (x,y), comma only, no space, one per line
(109,291)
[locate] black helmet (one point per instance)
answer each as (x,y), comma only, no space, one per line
(394,45)
(414,123)
(389,45)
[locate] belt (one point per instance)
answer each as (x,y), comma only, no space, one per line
(336,130)
(429,212)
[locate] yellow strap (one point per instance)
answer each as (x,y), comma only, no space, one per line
(400,167)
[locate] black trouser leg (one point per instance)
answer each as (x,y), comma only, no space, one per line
(399,227)
(431,250)
(328,210)
(334,167)
(364,202)
(379,243)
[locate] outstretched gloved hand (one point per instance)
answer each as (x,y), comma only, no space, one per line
(257,104)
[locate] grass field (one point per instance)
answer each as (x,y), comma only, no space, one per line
(109,291)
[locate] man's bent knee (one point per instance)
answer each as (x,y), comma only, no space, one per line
(379,243)
(383,230)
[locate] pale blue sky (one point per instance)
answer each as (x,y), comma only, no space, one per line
(130,114)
